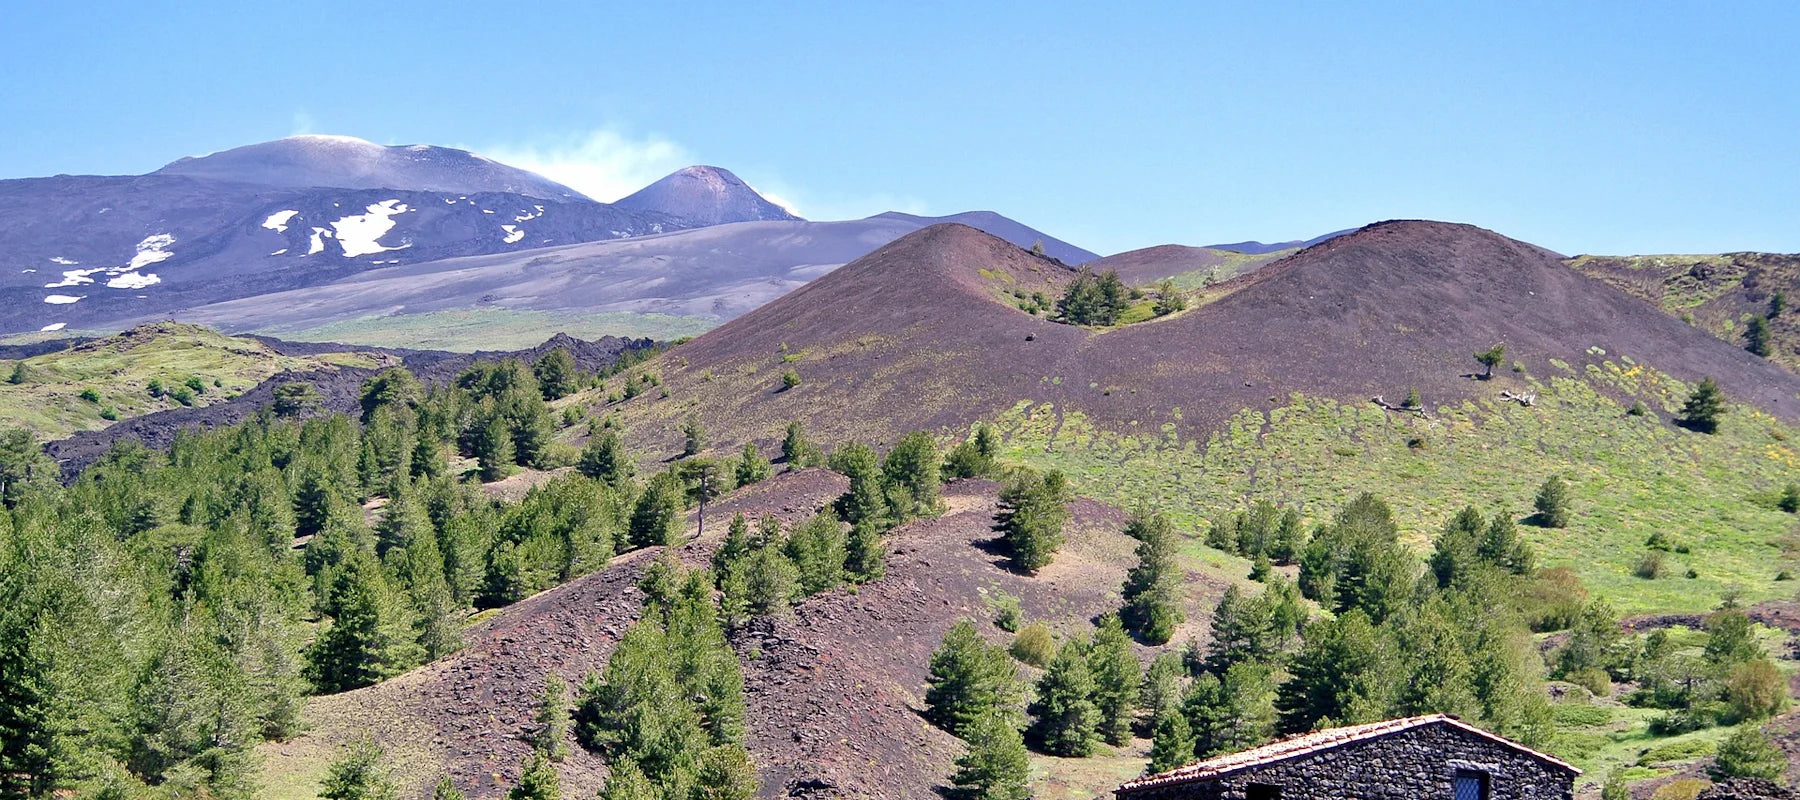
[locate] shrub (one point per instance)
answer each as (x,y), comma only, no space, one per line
(1703,408)
(1651,566)
(155,387)
(197,385)
(1593,679)
(1034,645)
(1008,616)
(1552,503)
(1680,789)
(109,413)
(1637,409)
(1790,498)
(1747,753)
(1755,690)
(1658,541)
(789,380)
(90,394)
(182,395)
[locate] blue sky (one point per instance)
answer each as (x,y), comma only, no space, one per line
(1584,127)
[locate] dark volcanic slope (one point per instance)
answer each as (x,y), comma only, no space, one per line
(1139,267)
(920,334)
(997,225)
(704,196)
(1718,293)
(351,163)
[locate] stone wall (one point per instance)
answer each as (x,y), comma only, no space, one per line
(1415,764)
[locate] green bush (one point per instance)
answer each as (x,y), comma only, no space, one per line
(1593,679)
(1034,645)
(789,380)
(1008,616)
(90,394)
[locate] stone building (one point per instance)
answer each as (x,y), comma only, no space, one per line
(1417,758)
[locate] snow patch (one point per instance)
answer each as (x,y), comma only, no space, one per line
(449,201)
(279,252)
(54,326)
(152,249)
(278,221)
(525,216)
(132,280)
(63,261)
(27,271)
(318,241)
(74,277)
(360,235)
(61,299)
(485,211)
(513,234)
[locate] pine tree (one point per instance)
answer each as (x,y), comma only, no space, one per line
(1756,337)
(358,775)
(29,746)
(737,544)
(865,557)
(1033,511)
(1243,631)
(446,790)
(969,679)
(1162,691)
(996,765)
(557,375)
(1777,304)
(1703,408)
(1065,719)
(493,449)
(552,720)
(693,436)
(1748,753)
(864,499)
(1152,591)
(1489,359)
(1172,743)
(751,468)
(537,780)
(761,584)
(817,549)
(1339,676)
(1116,676)
(657,518)
(796,451)
(626,782)
(910,476)
(604,459)
(1232,711)
(725,773)
(1552,503)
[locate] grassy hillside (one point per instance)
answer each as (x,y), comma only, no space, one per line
(1717,293)
(115,374)
(1632,476)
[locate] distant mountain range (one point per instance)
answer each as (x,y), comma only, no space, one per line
(235,234)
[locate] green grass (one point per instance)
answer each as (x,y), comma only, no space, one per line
(1631,476)
(492,329)
(119,369)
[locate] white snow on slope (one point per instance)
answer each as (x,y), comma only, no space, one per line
(61,299)
(63,261)
(318,241)
(152,249)
(133,280)
(279,252)
(54,326)
(360,235)
(525,216)
(278,221)
(27,271)
(513,234)
(74,277)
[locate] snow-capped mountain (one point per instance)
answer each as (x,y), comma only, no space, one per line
(351,163)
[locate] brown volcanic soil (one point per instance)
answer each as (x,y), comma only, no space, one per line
(1717,291)
(834,690)
(1150,264)
(922,334)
